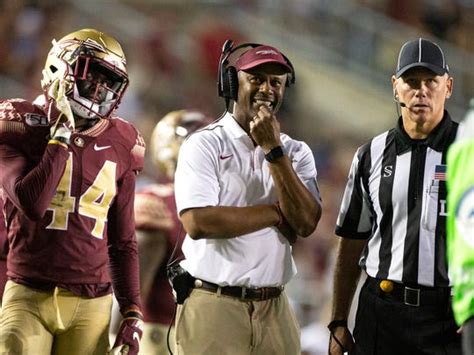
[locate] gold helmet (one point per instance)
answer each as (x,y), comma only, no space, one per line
(91,66)
(168,135)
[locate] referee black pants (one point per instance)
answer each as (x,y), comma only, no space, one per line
(385,325)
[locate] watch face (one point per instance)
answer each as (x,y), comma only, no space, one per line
(274,154)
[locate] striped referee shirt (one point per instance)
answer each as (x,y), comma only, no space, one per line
(396,198)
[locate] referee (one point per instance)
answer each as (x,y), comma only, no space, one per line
(392,222)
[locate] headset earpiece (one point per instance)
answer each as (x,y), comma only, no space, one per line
(291,76)
(233,82)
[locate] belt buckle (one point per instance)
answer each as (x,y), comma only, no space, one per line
(243,292)
(406,296)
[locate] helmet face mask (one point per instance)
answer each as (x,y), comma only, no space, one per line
(168,135)
(97,90)
(92,66)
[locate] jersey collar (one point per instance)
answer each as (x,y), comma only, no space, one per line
(436,140)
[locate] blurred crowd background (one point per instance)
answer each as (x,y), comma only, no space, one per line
(344,53)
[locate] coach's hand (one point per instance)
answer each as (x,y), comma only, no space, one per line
(265,129)
(340,341)
(128,337)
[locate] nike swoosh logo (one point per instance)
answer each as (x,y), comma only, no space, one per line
(136,337)
(223,157)
(97,148)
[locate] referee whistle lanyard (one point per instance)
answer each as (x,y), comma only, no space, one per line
(56,306)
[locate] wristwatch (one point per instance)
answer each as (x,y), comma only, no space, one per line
(274,154)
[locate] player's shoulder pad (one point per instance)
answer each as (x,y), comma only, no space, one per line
(133,140)
(19,118)
(151,211)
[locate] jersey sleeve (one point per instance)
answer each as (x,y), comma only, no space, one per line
(3,230)
(355,218)
(138,153)
(28,181)
(123,250)
(134,142)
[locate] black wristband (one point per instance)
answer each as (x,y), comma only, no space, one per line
(274,154)
(337,323)
(133,314)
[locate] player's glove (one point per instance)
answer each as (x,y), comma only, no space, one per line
(63,126)
(129,334)
(61,131)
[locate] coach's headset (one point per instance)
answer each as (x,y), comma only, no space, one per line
(228,83)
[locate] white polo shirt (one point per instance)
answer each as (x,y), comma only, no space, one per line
(219,166)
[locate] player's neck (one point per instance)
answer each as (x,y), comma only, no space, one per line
(84,123)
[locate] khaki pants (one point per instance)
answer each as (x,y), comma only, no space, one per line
(213,324)
(53,322)
(154,339)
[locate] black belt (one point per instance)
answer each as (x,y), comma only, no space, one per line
(410,295)
(243,293)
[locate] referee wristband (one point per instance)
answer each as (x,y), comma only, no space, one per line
(337,323)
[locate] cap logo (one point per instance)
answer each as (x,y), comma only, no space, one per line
(266,51)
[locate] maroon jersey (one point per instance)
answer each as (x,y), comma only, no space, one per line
(3,251)
(155,210)
(70,211)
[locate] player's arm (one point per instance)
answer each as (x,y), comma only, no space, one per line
(299,206)
(123,251)
(31,189)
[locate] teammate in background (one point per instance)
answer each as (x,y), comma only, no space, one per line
(460,227)
(159,229)
(392,222)
(244,192)
(3,250)
(67,168)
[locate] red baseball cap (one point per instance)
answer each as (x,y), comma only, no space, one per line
(260,55)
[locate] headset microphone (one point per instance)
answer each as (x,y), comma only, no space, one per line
(395,98)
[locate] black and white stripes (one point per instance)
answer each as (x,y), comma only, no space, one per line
(394,199)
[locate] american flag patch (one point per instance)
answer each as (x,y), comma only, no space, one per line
(440,172)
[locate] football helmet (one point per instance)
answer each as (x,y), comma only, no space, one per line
(168,135)
(92,68)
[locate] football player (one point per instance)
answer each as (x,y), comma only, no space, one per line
(158,228)
(67,167)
